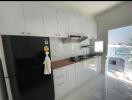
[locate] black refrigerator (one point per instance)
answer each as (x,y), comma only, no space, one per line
(3,89)
(24,56)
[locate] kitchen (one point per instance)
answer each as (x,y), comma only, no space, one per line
(67,45)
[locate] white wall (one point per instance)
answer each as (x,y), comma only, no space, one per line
(0,47)
(117,17)
(61,50)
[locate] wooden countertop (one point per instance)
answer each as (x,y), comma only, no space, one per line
(64,62)
(61,63)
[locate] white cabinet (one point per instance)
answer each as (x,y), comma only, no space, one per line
(50,21)
(74,24)
(79,74)
(81,26)
(11,18)
(60,82)
(92,63)
(33,18)
(84,71)
(90,66)
(84,27)
(98,64)
(64,80)
(55,22)
(92,29)
(62,23)
(92,36)
(38,19)
(70,77)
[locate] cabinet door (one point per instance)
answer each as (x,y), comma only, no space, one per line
(59,74)
(92,36)
(79,74)
(62,23)
(11,18)
(60,82)
(85,27)
(92,29)
(33,18)
(82,27)
(84,71)
(74,24)
(98,64)
(70,77)
(91,68)
(50,21)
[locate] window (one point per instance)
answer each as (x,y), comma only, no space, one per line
(98,46)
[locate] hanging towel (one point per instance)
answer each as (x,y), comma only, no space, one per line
(47,64)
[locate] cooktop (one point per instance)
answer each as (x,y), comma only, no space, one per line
(81,57)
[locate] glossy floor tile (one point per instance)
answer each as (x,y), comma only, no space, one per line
(97,89)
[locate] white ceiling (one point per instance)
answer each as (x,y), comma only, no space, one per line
(86,7)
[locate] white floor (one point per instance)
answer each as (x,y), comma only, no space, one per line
(95,89)
(91,90)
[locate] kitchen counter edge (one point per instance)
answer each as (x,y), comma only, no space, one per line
(65,62)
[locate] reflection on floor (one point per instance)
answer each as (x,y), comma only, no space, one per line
(91,90)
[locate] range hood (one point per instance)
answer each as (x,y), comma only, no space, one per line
(75,38)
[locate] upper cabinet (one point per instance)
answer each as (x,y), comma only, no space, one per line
(55,22)
(92,29)
(33,18)
(38,19)
(21,18)
(74,24)
(62,23)
(50,21)
(81,26)
(11,18)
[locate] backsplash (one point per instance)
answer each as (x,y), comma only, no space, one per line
(61,50)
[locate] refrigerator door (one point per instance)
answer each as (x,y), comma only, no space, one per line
(3,90)
(37,90)
(24,57)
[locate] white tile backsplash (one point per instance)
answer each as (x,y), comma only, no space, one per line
(60,50)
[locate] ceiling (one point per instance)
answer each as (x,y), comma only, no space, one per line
(86,7)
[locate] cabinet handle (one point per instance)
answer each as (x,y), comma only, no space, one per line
(60,76)
(28,33)
(60,84)
(22,33)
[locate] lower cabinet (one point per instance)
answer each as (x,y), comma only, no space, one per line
(60,82)
(85,70)
(72,76)
(79,74)
(98,64)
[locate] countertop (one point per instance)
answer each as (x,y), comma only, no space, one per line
(64,62)
(61,63)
